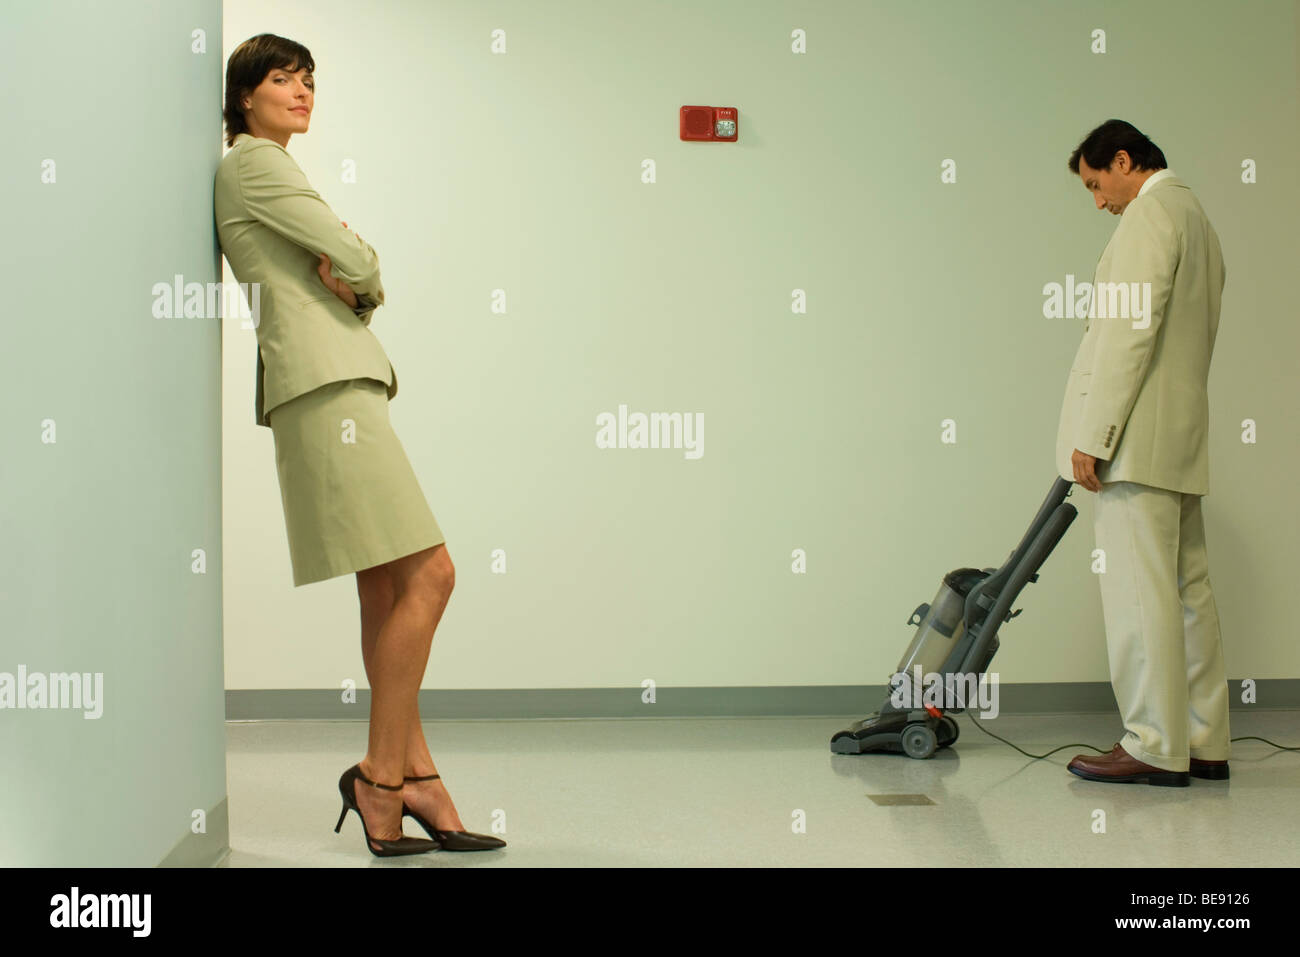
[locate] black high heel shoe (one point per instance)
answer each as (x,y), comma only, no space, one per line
(403,845)
(452,840)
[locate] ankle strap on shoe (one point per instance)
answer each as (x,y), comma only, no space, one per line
(386,787)
(427,777)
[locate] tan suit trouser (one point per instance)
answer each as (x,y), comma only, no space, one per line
(1162,628)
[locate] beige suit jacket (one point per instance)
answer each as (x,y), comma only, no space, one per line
(1137,398)
(272,226)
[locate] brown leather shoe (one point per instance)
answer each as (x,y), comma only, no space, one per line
(1209,770)
(1120,767)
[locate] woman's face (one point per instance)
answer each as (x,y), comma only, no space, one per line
(281,104)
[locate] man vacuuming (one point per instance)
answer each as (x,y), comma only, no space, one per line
(1134,429)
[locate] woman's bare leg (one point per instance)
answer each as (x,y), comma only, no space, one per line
(401,604)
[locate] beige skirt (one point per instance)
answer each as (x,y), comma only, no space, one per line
(351,499)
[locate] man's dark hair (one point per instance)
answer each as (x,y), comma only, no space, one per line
(247,68)
(1100,146)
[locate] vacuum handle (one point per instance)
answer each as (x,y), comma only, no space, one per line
(1055,496)
(985,594)
(1036,554)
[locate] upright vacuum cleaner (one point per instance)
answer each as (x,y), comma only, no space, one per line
(956,636)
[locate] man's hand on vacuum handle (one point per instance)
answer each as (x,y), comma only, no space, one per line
(1085,470)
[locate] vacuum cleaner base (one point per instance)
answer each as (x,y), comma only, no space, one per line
(918,734)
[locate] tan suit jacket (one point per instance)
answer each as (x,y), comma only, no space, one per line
(272,226)
(1137,398)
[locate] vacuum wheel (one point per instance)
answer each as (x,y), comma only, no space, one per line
(918,741)
(953,730)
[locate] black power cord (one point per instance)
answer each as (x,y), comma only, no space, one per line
(1039,757)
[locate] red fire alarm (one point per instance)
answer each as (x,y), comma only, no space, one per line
(709,123)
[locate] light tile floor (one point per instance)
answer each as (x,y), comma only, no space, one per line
(728,791)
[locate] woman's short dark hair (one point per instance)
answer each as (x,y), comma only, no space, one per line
(247,68)
(1100,146)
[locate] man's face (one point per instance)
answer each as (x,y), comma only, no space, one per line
(1113,189)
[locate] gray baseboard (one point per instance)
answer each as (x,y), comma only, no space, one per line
(207,849)
(799,700)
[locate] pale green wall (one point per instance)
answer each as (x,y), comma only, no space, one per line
(522,172)
(97,571)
